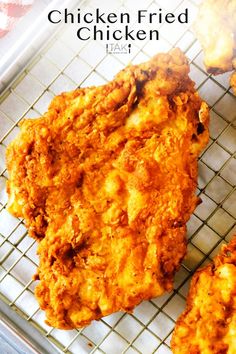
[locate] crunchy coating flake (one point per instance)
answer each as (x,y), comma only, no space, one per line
(106,182)
(215,28)
(208,325)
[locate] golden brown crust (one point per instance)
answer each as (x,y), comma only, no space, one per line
(106,183)
(233,82)
(208,325)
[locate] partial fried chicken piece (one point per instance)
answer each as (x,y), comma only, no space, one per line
(106,182)
(208,325)
(215,28)
(233,82)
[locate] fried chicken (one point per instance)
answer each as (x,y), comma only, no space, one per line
(215,28)
(106,182)
(208,325)
(233,82)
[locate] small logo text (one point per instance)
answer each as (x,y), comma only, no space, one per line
(116,48)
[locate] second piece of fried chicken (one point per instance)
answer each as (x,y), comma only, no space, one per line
(233,82)
(208,325)
(215,28)
(106,182)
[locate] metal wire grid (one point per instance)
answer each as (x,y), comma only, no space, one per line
(149,328)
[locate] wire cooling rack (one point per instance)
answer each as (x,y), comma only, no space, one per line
(63,65)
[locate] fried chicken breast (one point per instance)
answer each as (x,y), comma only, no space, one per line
(106,182)
(208,325)
(215,28)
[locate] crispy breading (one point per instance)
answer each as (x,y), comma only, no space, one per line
(106,182)
(233,82)
(208,325)
(215,28)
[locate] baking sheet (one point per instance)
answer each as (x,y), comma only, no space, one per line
(149,328)
(27,36)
